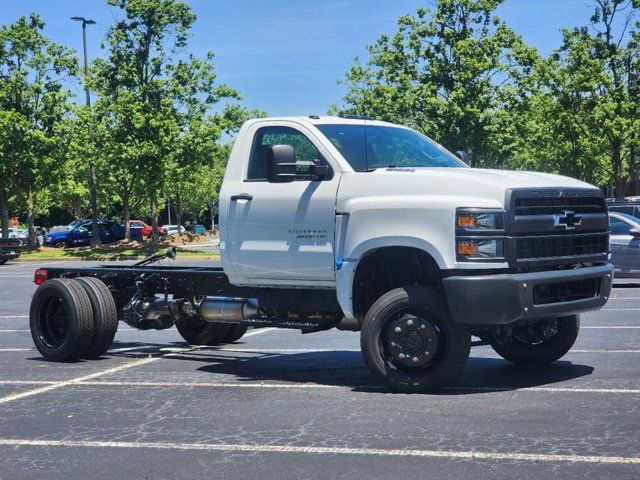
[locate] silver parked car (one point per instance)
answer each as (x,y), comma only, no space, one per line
(625,244)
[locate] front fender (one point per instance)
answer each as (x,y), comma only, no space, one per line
(345,275)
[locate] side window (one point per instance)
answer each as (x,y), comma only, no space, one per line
(618,227)
(267,136)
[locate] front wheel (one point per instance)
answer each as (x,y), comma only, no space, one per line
(538,342)
(60,245)
(3,261)
(410,343)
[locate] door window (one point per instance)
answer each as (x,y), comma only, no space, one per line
(303,148)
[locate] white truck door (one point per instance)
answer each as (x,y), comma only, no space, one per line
(282,231)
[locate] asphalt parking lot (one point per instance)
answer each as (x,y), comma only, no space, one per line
(279,404)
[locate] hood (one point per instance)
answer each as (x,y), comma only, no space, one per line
(58,235)
(465,186)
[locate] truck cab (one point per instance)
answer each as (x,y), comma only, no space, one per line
(391,199)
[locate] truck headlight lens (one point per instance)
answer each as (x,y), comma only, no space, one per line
(479,220)
(477,249)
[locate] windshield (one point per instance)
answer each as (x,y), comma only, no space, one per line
(367,147)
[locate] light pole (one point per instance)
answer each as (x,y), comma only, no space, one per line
(95,239)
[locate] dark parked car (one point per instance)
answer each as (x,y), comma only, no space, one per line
(625,244)
(79,234)
(10,249)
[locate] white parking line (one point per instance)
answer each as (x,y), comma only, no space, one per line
(66,383)
(314,386)
(14,316)
(17,349)
(603,327)
(620,309)
(73,381)
(264,448)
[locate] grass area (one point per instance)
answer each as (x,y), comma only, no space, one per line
(114,251)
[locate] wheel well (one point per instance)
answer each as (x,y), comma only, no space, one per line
(384,269)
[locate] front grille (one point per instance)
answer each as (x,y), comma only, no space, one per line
(553,226)
(554,206)
(569,245)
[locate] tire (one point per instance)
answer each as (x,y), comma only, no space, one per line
(61,320)
(440,346)
(3,261)
(236,332)
(520,351)
(199,332)
(105,316)
(61,245)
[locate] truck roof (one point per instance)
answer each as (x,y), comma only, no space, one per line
(320,120)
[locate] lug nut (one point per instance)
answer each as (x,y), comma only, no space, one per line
(409,322)
(397,329)
(415,359)
(426,353)
(422,326)
(393,344)
(401,355)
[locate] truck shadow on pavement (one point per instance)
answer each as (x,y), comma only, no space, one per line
(346,368)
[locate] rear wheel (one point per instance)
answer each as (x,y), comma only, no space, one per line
(3,261)
(538,342)
(236,332)
(410,343)
(61,320)
(105,316)
(198,332)
(60,245)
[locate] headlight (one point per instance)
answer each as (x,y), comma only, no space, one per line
(478,249)
(47,238)
(479,220)
(479,235)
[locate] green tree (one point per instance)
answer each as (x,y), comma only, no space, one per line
(151,93)
(34,102)
(595,83)
(442,72)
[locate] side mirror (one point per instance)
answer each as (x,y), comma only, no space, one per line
(634,232)
(464,156)
(282,166)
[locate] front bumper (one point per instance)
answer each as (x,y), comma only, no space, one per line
(505,298)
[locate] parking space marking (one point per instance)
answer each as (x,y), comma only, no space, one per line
(603,327)
(620,309)
(264,448)
(316,386)
(17,349)
(14,316)
(66,383)
(73,381)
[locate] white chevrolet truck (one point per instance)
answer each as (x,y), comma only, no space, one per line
(356,224)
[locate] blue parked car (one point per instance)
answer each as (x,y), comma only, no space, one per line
(199,229)
(79,234)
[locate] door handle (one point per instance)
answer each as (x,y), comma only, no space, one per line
(241,196)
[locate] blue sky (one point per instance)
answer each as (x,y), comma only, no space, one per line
(285,56)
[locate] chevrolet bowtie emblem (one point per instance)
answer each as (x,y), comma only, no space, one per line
(567,220)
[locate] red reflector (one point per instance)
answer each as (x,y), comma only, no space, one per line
(40,276)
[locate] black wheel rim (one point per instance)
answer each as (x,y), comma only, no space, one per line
(53,323)
(412,340)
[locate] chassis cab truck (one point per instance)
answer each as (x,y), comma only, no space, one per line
(355,224)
